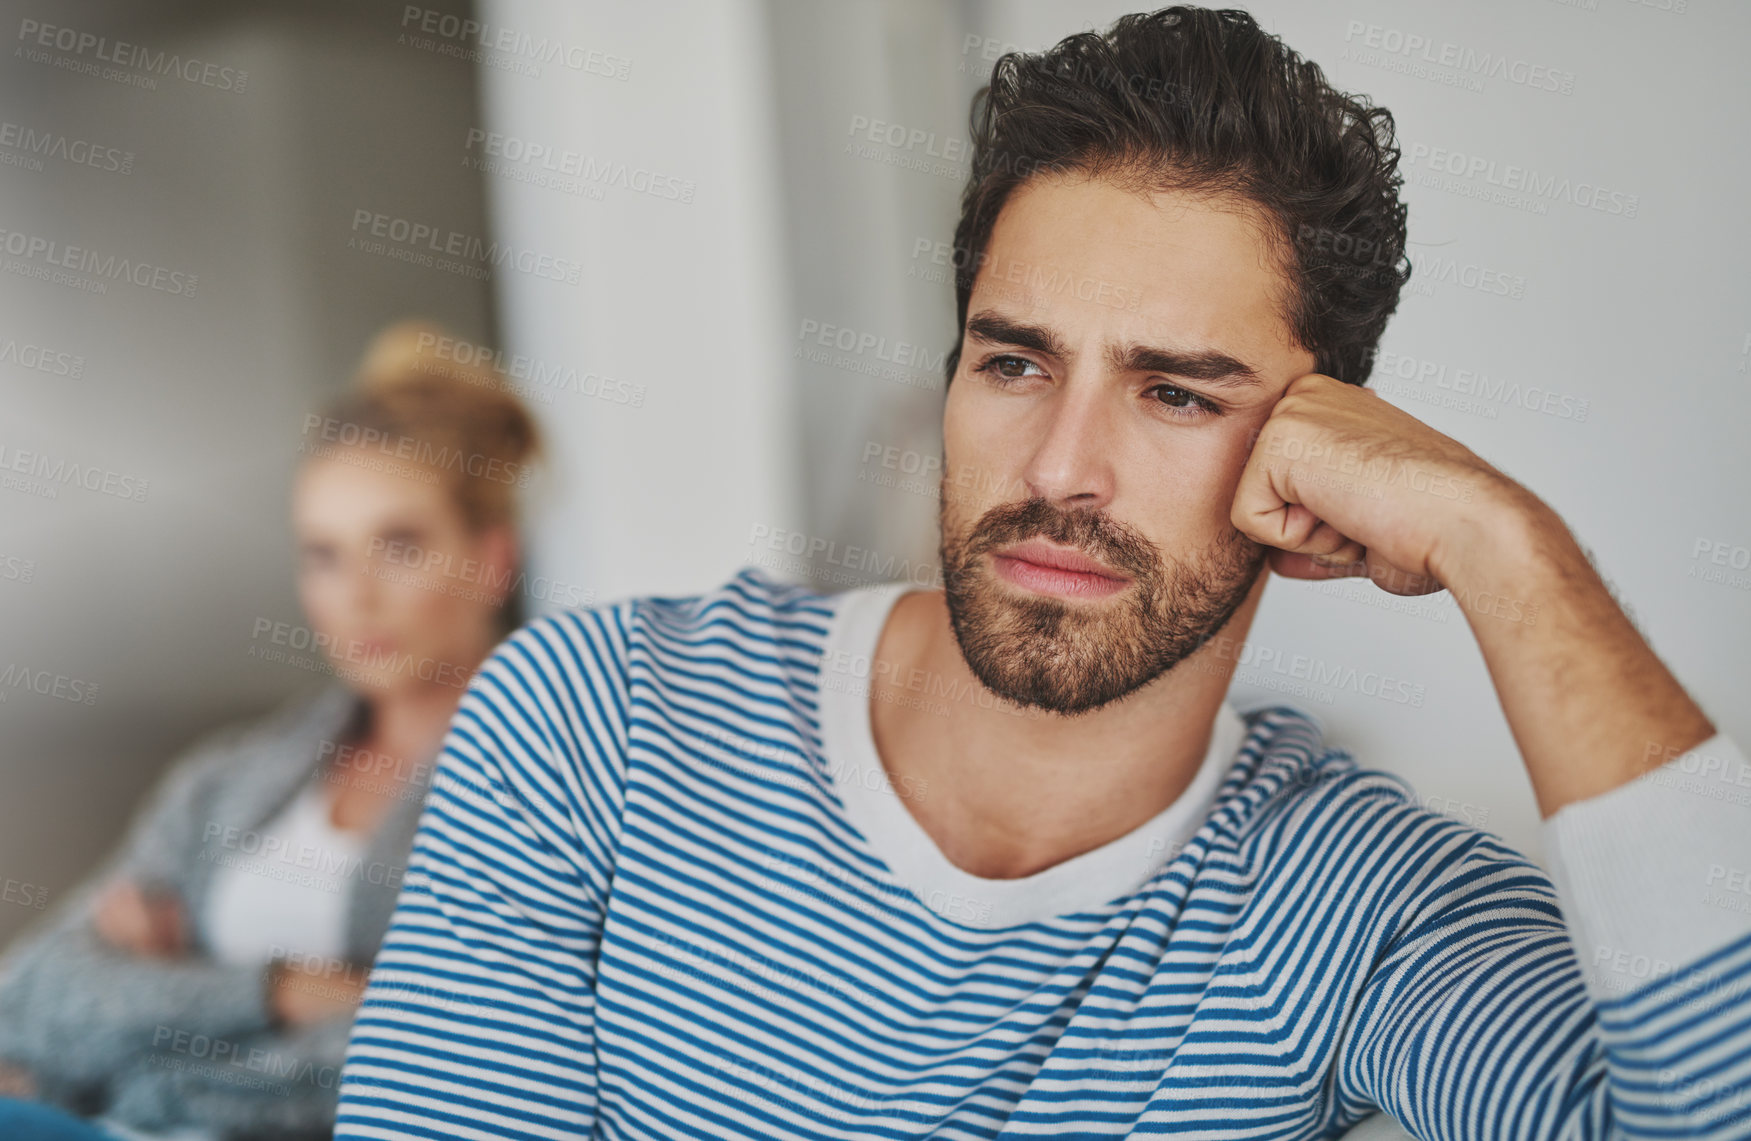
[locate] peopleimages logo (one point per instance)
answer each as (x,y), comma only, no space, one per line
(1471,382)
(1522,179)
(39,473)
(37,39)
(1411,46)
(304,856)
(45,683)
(1317,671)
(576,164)
(283,642)
(28,146)
(528,376)
(421,243)
(43,252)
(38,358)
(481,36)
(414,450)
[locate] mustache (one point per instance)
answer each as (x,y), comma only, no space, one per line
(1093,532)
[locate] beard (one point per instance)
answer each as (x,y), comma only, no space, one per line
(1074,657)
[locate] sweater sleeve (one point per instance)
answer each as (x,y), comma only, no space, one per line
(73,1009)
(1655,877)
(1596,1002)
(479,1018)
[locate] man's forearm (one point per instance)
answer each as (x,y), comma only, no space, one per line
(1588,700)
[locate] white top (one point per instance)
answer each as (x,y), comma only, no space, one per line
(283,888)
(1081,883)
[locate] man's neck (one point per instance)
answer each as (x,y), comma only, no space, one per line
(1011,792)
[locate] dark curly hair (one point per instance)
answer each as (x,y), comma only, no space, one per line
(1205,101)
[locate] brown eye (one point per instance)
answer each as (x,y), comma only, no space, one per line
(1011,368)
(1185,404)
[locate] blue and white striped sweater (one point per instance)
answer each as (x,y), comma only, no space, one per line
(636,908)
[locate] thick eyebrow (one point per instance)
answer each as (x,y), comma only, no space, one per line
(1207,365)
(1000,330)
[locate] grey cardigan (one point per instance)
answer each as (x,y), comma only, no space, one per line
(158,1044)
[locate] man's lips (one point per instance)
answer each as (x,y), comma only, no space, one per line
(1048,569)
(1041,553)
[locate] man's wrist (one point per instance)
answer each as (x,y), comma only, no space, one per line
(1501,550)
(1584,694)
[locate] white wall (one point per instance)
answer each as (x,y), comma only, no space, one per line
(682,302)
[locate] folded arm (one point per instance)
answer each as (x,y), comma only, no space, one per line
(75,1008)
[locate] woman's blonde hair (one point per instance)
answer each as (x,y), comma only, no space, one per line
(429,398)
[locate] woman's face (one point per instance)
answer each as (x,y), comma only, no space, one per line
(399,593)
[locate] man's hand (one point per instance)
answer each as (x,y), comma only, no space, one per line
(1342,483)
(148,923)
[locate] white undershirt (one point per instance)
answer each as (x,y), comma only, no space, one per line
(1082,883)
(283,887)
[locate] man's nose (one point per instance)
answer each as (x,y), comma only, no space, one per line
(1071,464)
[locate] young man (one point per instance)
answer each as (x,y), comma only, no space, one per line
(998,860)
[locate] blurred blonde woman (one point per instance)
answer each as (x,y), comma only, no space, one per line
(201,984)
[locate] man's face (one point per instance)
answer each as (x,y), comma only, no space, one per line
(1090,418)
